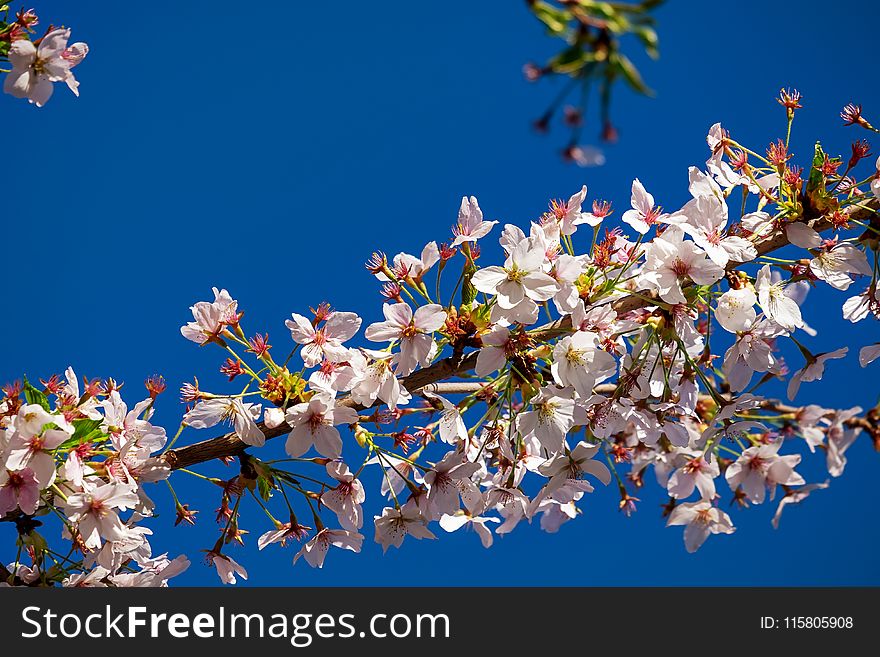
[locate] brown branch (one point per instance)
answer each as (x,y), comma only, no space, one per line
(230,445)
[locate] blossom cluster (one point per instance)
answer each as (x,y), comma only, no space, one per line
(82,459)
(660,331)
(37,62)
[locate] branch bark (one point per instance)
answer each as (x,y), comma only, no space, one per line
(230,445)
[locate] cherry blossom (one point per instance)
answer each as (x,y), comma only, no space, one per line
(671,261)
(452,426)
(449,479)
(696,473)
(644,213)
(569,469)
(752,352)
(578,362)
(315,550)
(795,496)
(775,303)
(735,310)
(456,521)
(471,226)
(554,414)
(326,341)
(227,568)
(409,267)
(761,468)
(861,306)
(569,213)
(397,473)
(96,515)
(493,355)
(211,318)
(19,489)
(36,68)
(282,533)
(802,235)
(314,424)
(380,382)
(705,218)
(31,444)
(346,498)
(521,280)
(395,524)
(813,370)
(701,520)
(835,264)
(840,439)
(131,427)
(242,415)
(93,579)
(413,330)
(566,271)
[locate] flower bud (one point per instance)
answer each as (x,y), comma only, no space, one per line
(362,436)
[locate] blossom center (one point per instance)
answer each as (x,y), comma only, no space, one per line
(515,274)
(575,356)
(757,463)
(652,216)
(317,420)
(15,480)
(559,209)
(546,410)
(680,268)
(694,466)
(39,66)
(98,508)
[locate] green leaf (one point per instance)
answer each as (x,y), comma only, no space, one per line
(481,314)
(468,291)
(85,427)
(571,60)
(554,18)
(816,192)
(90,437)
(622,64)
(84,431)
(34,396)
(816,179)
(602,10)
(648,37)
(264,487)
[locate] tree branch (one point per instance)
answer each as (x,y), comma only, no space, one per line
(230,445)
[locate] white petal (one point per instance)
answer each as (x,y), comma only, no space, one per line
(803,236)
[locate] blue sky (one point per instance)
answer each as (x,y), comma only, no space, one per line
(270,152)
